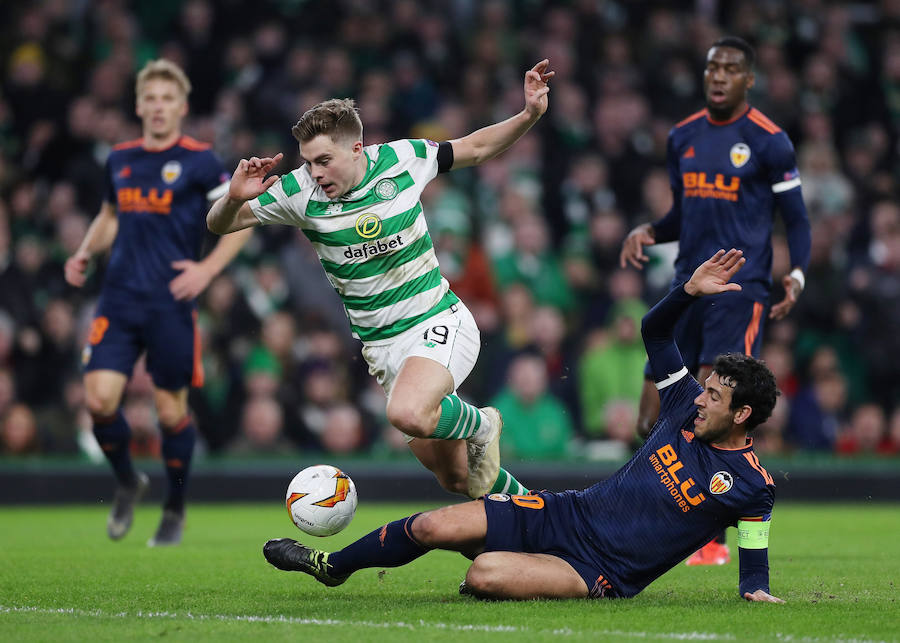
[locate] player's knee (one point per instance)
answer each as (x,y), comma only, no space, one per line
(101,402)
(170,419)
(426,529)
(408,418)
(482,578)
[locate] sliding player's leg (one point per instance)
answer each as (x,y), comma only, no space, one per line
(522,576)
(459,528)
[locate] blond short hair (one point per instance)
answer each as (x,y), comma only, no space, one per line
(163,70)
(337,118)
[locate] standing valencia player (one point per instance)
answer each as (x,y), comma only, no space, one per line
(730,167)
(157,191)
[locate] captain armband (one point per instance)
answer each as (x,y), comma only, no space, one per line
(753,534)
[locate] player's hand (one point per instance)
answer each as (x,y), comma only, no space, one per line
(633,246)
(712,276)
(759,596)
(791,292)
(75,268)
(536,88)
(247,181)
(194,278)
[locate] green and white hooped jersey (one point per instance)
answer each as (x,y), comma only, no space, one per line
(373,242)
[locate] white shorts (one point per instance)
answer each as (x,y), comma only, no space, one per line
(450,338)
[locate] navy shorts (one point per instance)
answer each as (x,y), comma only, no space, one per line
(544,523)
(726,323)
(123,328)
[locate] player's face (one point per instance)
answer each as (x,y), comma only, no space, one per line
(334,165)
(726,80)
(715,420)
(161,106)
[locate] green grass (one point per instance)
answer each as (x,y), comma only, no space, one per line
(62,580)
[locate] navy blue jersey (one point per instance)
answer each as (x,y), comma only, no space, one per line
(161,201)
(726,180)
(677,491)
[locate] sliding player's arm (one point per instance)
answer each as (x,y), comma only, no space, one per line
(487,142)
(99,237)
(710,277)
(753,550)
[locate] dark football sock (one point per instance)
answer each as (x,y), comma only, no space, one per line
(114,436)
(177,449)
(389,546)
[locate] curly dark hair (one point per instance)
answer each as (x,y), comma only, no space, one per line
(752,383)
(738,43)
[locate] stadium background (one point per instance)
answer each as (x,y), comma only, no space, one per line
(530,240)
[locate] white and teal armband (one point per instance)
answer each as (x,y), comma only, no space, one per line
(753,534)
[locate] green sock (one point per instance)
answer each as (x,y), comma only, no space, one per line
(506,483)
(458,421)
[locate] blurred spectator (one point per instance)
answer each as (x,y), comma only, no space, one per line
(261,430)
(19,432)
(343,431)
(536,425)
(611,368)
(817,412)
(865,433)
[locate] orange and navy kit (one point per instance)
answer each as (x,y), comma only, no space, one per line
(727,180)
(673,496)
(161,199)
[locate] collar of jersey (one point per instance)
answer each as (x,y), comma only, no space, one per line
(365,179)
(729,121)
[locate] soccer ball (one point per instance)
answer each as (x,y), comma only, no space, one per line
(321,500)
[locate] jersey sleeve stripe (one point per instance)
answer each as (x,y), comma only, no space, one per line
(784,186)
(754,462)
(691,118)
(127,145)
(673,377)
(193,144)
(760,119)
(752,328)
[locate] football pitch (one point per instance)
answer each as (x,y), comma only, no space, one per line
(61,579)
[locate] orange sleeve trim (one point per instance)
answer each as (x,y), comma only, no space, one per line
(197,377)
(763,121)
(193,144)
(127,145)
(691,118)
(752,328)
(754,462)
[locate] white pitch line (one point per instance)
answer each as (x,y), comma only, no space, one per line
(397,625)
(421,624)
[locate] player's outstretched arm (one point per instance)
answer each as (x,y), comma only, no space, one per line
(231,212)
(99,237)
(487,142)
(713,275)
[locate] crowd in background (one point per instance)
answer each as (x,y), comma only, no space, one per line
(530,241)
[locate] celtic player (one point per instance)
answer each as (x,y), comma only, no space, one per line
(360,208)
